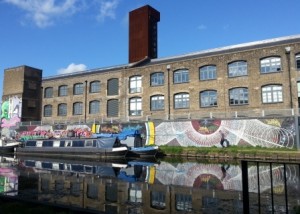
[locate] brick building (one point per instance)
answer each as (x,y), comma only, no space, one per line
(245,80)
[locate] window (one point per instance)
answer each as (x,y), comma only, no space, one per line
(94,107)
(270,64)
(62,90)
(113,108)
(47,110)
(157,79)
(208,98)
(181,100)
(62,109)
(135,106)
(238,68)
(135,84)
(208,72)
(238,96)
(183,202)
(272,94)
(48,93)
(158,200)
(157,102)
(181,76)
(95,87)
(298,62)
(112,87)
(77,108)
(78,89)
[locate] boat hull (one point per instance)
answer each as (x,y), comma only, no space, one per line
(143,152)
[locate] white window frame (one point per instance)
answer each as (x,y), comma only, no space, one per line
(208,72)
(135,106)
(135,84)
(272,94)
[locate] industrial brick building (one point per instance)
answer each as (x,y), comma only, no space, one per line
(245,80)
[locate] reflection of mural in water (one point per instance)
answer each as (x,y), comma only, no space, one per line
(213,176)
(205,133)
(8,181)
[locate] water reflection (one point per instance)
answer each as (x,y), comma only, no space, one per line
(143,186)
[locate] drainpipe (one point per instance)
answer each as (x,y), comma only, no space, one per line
(169,99)
(85,101)
(287,52)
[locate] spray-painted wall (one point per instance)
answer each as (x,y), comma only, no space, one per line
(11,112)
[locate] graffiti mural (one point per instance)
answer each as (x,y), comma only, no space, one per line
(10,116)
(206,133)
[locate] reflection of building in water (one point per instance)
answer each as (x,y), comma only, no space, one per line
(111,195)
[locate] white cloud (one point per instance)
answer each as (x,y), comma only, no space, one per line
(107,9)
(202,27)
(44,12)
(72,68)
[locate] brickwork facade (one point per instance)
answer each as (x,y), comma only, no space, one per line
(287,77)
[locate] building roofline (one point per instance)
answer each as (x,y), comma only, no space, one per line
(192,55)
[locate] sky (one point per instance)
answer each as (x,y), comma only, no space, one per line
(63,36)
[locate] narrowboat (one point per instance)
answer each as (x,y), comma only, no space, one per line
(87,148)
(133,140)
(8,146)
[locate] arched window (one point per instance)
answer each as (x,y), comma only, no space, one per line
(181,76)
(48,93)
(113,108)
(94,107)
(77,108)
(272,94)
(135,84)
(78,89)
(62,90)
(208,98)
(270,64)
(158,200)
(157,79)
(47,110)
(208,72)
(181,100)
(135,106)
(238,68)
(113,87)
(238,96)
(157,102)
(94,86)
(62,109)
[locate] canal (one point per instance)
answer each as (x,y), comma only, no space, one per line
(147,186)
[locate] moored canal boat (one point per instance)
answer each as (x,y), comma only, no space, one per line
(87,148)
(8,146)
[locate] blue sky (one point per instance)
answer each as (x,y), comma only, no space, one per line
(60,36)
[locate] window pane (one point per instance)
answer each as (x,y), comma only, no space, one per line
(271,64)
(238,96)
(47,111)
(135,84)
(237,69)
(94,87)
(48,92)
(298,61)
(181,76)
(157,102)
(157,79)
(62,109)
(78,88)
(77,108)
(208,72)
(94,107)
(182,100)
(208,98)
(135,106)
(63,90)
(272,94)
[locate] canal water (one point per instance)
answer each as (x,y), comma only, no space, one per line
(147,186)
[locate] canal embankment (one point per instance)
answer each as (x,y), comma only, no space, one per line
(232,153)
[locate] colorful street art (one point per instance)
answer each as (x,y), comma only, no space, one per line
(205,133)
(274,132)
(10,116)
